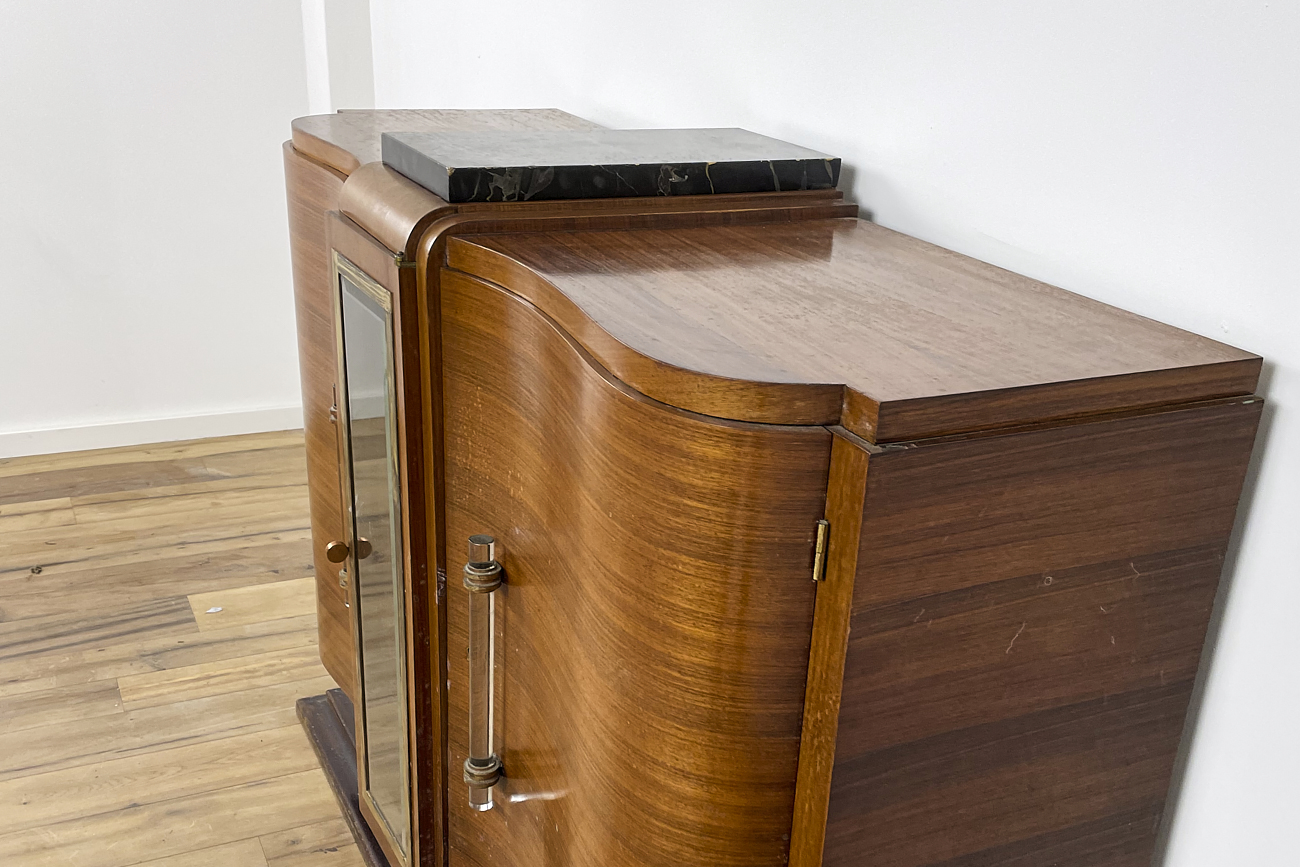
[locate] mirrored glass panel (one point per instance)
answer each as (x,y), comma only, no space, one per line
(371,433)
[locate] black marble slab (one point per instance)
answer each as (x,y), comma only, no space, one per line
(518,166)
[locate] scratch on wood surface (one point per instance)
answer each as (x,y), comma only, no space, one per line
(1017,635)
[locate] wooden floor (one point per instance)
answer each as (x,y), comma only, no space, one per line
(157,624)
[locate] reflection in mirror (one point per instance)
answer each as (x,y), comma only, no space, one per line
(372,448)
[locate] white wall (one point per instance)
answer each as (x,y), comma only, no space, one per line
(145,286)
(1147,154)
(340,71)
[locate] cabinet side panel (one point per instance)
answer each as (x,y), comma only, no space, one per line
(313,190)
(1023,704)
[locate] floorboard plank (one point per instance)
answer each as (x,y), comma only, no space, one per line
(128,836)
(241,853)
(259,462)
(325,844)
(77,740)
(47,707)
(79,481)
(280,479)
(170,510)
(77,630)
(244,605)
(200,448)
(35,514)
(141,576)
(220,677)
(104,558)
(130,534)
(116,784)
(138,655)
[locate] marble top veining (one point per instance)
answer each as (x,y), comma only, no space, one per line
(600,163)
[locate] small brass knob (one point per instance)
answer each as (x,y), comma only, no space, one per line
(336,552)
(364,549)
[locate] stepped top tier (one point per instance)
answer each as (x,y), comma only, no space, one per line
(537,165)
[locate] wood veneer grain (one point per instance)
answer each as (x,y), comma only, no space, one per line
(1026,628)
(959,514)
(657,610)
(923,341)
(392,208)
(846,492)
(396,210)
(760,395)
(769,309)
(313,189)
(324,151)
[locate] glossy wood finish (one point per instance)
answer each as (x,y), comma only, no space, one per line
(324,152)
(348,140)
(1026,626)
(330,164)
(846,493)
(391,208)
(842,321)
(657,611)
(313,190)
(397,211)
(999,661)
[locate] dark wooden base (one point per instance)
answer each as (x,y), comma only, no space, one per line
(329,722)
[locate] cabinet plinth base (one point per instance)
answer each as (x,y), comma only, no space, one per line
(328,721)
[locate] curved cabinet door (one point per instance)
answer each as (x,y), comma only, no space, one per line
(651,635)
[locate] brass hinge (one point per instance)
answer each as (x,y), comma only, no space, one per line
(401,261)
(819,553)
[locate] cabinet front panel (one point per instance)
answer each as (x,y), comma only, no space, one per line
(651,636)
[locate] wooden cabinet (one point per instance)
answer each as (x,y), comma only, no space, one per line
(733,530)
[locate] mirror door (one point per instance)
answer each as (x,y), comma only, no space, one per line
(372,495)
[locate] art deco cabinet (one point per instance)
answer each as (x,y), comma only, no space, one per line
(733,530)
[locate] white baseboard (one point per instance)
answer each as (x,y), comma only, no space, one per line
(158,430)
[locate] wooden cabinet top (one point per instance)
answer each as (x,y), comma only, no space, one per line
(349,139)
(784,319)
(843,321)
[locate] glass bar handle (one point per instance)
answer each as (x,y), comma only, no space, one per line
(482,578)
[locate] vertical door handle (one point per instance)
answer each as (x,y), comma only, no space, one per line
(482,578)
